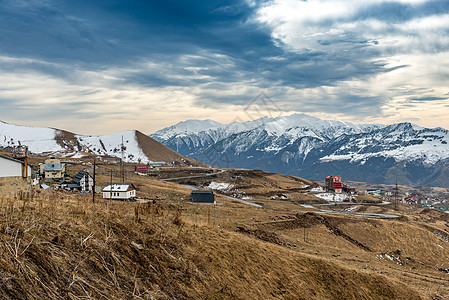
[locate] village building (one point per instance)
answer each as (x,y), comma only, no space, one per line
(52,169)
(153,164)
(333,183)
(15,175)
(348,189)
(71,187)
(84,181)
(119,191)
(141,169)
(109,159)
(378,192)
(202,197)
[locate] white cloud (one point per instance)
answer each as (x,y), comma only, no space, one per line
(300,25)
(417,45)
(105,101)
(151,92)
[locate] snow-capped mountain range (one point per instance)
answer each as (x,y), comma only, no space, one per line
(299,145)
(138,147)
(313,148)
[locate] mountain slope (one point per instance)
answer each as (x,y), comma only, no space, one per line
(155,151)
(409,153)
(313,148)
(138,147)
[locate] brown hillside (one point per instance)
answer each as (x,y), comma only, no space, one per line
(66,139)
(61,246)
(155,151)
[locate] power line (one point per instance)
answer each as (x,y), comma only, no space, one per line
(122,166)
(43,140)
(396,196)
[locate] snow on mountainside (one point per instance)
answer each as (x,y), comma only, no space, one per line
(137,146)
(296,125)
(39,139)
(402,142)
(194,136)
(310,147)
(111,145)
(186,128)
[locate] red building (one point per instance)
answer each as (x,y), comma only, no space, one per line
(141,169)
(333,183)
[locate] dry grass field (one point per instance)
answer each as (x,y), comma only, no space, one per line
(57,244)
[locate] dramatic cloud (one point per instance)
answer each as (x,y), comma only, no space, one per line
(103,66)
(396,51)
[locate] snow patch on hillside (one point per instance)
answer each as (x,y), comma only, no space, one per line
(44,140)
(111,145)
(220,186)
(38,139)
(332,197)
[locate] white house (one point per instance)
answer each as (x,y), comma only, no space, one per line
(15,175)
(11,167)
(120,191)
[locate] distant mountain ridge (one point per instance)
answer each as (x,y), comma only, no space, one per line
(194,134)
(138,147)
(312,148)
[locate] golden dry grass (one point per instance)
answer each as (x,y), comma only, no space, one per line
(56,245)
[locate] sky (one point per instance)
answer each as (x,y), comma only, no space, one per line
(98,67)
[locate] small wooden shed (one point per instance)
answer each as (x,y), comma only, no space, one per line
(202,197)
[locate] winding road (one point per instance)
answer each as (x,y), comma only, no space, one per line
(351,213)
(229,197)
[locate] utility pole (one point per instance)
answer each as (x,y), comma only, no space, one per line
(122,167)
(93,186)
(110,190)
(396,196)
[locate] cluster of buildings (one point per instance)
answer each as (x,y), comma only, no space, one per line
(440,203)
(333,183)
(144,169)
(52,172)
(17,175)
(379,193)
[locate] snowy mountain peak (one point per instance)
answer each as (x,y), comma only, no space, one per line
(186,128)
(293,126)
(310,147)
(190,126)
(405,126)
